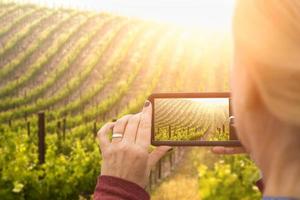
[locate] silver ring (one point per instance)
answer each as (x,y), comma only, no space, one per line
(117,135)
(232,120)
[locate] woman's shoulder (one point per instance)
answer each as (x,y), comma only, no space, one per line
(279,198)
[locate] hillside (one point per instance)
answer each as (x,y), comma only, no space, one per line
(83,69)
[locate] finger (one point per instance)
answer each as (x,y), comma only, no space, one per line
(131,128)
(102,135)
(119,127)
(157,154)
(238,150)
(228,150)
(144,132)
(218,150)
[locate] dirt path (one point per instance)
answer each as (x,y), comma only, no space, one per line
(182,184)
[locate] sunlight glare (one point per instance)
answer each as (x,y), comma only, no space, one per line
(207,14)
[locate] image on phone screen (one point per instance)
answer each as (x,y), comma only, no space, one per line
(187,119)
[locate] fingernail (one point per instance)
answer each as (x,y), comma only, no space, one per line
(147,103)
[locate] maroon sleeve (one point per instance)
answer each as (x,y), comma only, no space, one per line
(113,188)
(260,185)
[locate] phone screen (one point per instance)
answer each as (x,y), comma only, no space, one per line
(190,120)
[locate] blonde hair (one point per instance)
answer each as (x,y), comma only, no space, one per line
(269,32)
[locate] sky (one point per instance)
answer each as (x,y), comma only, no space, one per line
(210,14)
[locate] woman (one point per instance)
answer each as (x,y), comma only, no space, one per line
(266,103)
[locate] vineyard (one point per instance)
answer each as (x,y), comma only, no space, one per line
(68,72)
(190,119)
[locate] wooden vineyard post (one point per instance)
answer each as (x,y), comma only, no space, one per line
(59,146)
(25,116)
(169,131)
(223,128)
(41,135)
(95,129)
(28,128)
(64,128)
(59,130)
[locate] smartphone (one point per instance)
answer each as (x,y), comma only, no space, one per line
(192,119)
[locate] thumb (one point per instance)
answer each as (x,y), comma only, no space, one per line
(157,154)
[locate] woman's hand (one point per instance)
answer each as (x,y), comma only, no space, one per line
(128,157)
